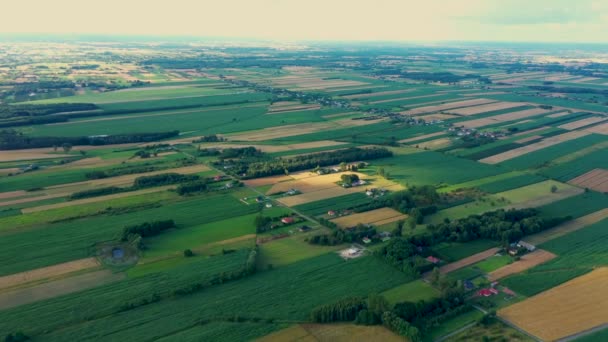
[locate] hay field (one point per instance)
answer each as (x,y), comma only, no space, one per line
(341,332)
(527,261)
(309,182)
(596,179)
(466,111)
(421,137)
(498,158)
(599,129)
(582,123)
(281,131)
(9,156)
(565,310)
(47,272)
(451,105)
(376,217)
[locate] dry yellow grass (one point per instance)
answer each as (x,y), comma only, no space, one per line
(377,217)
(558,115)
(47,272)
(281,131)
(497,158)
(420,137)
(485,108)
(599,129)
(310,182)
(527,261)
(582,123)
(450,105)
(596,179)
(333,333)
(435,144)
(565,310)
(567,227)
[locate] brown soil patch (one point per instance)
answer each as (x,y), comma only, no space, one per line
(432,117)
(595,179)
(567,227)
(468,261)
(450,105)
(310,182)
(599,129)
(497,158)
(8,156)
(420,137)
(47,272)
(12,194)
(281,131)
(485,108)
(565,310)
(558,115)
(377,217)
(57,288)
(522,114)
(527,261)
(582,123)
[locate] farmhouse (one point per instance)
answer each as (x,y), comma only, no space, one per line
(366,240)
(331,213)
(433,260)
(487,292)
(530,247)
(287,220)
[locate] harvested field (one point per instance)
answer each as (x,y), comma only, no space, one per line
(267,180)
(582,123)
(528,139)
(334,192)
(478,122)
(403,98)
(487,93)
(432,117)
(8,156)
(281,131)
(497,158)
(46,272)
(595,179)
(56,288)
(332,333)
(599,129)
(558,115)
(468,261)
(527,261)
(285,106)
(421,137)
(522,114)
(450,105)
(541,200)
(435,144)
(310,182)
(466,111)
(376,217)
(565,310)
(12,194)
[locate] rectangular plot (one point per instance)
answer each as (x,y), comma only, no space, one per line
(486,108)
(596,179)
(457,104)
(582,123)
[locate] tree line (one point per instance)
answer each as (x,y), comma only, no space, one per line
(14,140)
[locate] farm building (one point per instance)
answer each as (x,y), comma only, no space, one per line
(432,259)
(487,292)
(331,213)
(530,247)
(366,240)
(287,220)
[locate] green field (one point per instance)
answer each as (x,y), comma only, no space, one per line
(454,251)
(413,291)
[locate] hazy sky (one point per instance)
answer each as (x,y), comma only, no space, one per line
(407,20)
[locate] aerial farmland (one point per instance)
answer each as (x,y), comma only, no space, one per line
(164,191)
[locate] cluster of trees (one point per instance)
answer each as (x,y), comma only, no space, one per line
(265,223)
(500,225)
(14,140)
(163,179)
(349,179)
(343,310)
(16,337)
(98,192)
(28,114)
(339,236)
(573,90)
(285,165)
(208,138)
(196,186)
(232,152)
(146,229)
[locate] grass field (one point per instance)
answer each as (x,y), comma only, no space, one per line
(413,291)
(453,324)
(454,251)
(289,250)
(270,294)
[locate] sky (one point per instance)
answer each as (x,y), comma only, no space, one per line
(359,20)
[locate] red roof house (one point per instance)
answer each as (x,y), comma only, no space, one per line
(432,259)
(287,220)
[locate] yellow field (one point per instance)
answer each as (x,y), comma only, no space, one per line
(47,272)
(420,137)
(450,105)
(485,108)
(377,216)
(333,333)
(570,308)
(529,260)
(582,123)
